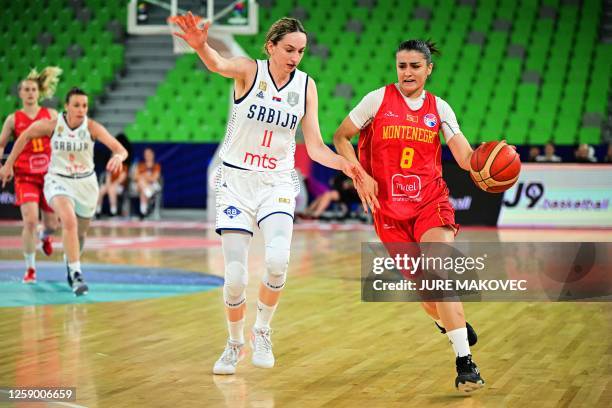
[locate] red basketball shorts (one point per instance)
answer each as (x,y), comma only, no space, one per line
(432,215)
(30,189)
(397,235)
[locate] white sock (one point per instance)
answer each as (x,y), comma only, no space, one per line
(264,314)
(74,267)
(30,260)
(143,208)
(459,341)
(113,210)
(236,331)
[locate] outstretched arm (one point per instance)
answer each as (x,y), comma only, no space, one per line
(237,68)
(317,150)
(100,133)
(36,129)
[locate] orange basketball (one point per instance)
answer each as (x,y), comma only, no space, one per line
(495,167)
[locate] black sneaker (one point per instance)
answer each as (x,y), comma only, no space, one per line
(79,287)
(468,375)
(472,336)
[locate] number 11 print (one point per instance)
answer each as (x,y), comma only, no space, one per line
(267,138)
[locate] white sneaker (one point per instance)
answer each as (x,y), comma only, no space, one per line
(233,353)
(262,347)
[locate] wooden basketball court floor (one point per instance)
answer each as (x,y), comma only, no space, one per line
(331,349)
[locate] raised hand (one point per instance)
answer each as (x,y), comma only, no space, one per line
(194,36)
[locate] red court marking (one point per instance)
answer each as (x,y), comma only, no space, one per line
(161,242)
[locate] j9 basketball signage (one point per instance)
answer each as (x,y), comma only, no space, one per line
(564,195)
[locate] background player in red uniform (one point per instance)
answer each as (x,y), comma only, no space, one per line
(32,163)
(400,149)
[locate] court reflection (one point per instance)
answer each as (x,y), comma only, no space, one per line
(238,393)
(50,353)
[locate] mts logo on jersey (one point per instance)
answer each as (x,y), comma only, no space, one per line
(405,186)
(259,160)
(271,115)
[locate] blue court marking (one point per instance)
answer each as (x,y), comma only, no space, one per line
(107,283)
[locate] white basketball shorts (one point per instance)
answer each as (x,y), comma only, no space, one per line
(246,197)
(82,191)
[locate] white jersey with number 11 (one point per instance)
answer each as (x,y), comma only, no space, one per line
(261,131)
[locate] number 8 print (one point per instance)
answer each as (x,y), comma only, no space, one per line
(407,156)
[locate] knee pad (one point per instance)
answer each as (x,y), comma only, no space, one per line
(277,262)
(236,279)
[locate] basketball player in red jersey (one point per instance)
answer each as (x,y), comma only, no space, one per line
(32,163)
(400,149)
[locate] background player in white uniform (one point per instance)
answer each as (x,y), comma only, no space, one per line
(257,182)
(71,186)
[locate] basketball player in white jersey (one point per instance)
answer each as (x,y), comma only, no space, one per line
(71,186)
(257,183)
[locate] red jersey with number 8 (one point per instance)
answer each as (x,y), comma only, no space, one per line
(401,150)
(34,159)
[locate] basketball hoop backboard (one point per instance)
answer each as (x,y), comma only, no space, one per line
(228,16)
